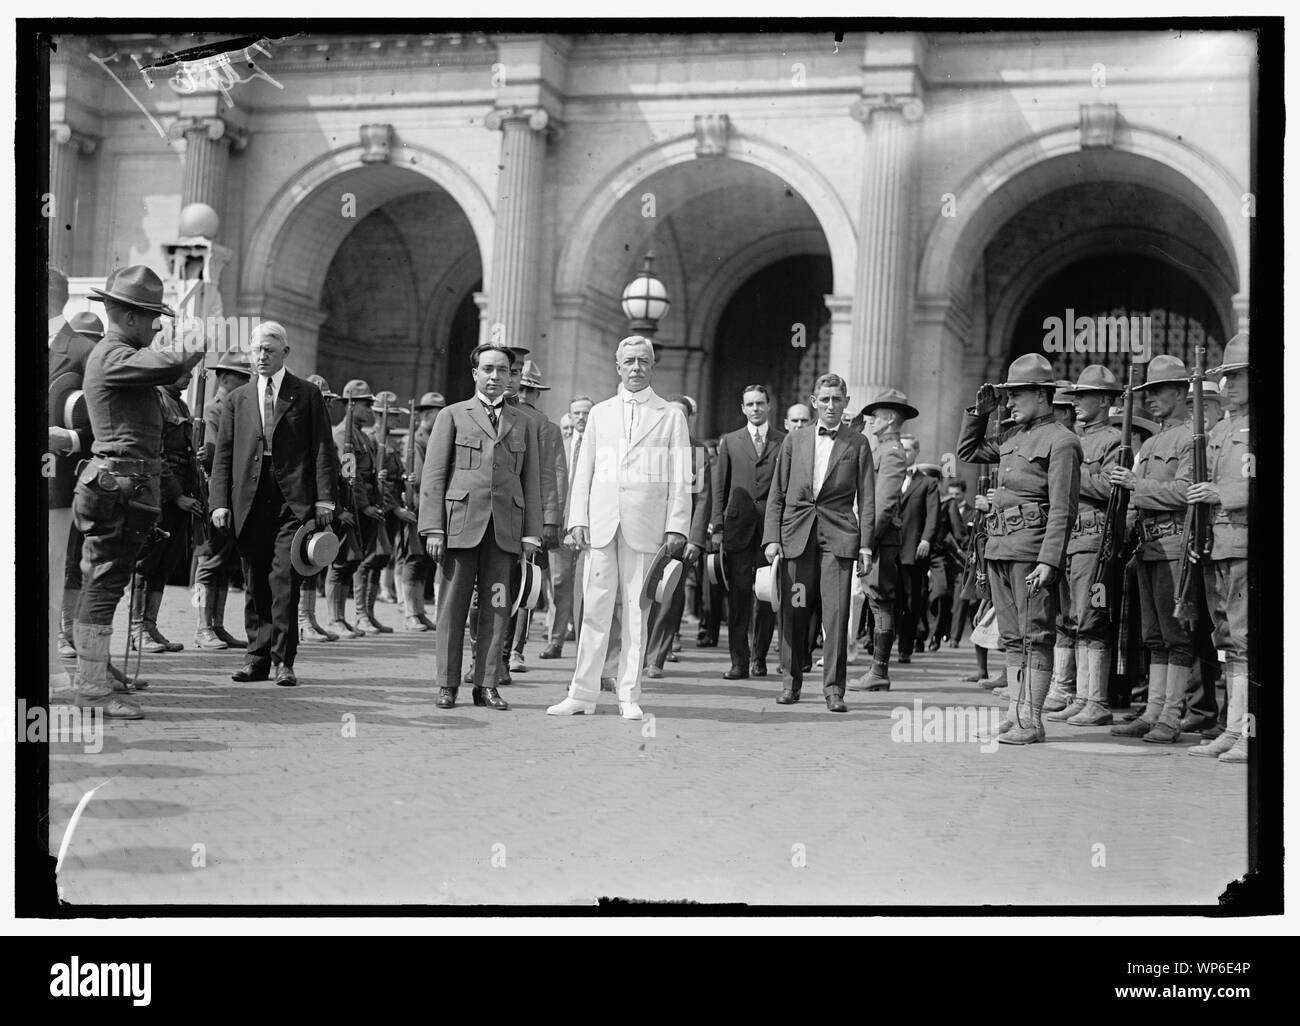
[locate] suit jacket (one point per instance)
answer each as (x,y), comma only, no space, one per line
(302,450)
(919,511)
(701,493)
(472,475)
(641,486)
(792,509)
(740,467)
(68,354)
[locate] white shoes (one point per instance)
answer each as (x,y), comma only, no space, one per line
(573,707)
(629,710)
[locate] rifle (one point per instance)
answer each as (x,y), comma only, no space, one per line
(348,469)
(197,441)
(1115,527)
(383,545)
(409,494)
(1197,539)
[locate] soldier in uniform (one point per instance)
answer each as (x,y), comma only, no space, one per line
(361,513)
(309,629)
(1063,687)
(117,498)
(391,477)
(885,415)
(180,490)
(1029,528)
(1083,702)
(1159,483)
(1230,464)
(218,555)
(413,563)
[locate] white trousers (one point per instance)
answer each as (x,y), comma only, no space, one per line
(613,580)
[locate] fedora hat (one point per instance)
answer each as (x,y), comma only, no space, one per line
(892,397)
(767,584)
(431,401)
(1236,355)
(68,403)
(136,286)
(532,377)
(1096,377)
(312,549)
(1029,371)
(529,590)
(1164,370)
(663,576)
(86,323)
(715,569)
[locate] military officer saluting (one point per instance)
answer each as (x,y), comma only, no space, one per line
(1159,484)
(117,497)
(1229,463)
(1029,530)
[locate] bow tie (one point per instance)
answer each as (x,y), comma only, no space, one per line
(827,432)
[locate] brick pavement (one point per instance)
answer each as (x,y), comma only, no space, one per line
(250,793)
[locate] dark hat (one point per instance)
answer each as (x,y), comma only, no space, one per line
(86,323)
(715,569)
(1236,355)
(1142,423)
(234,362)
(529,590)
(893,398)
(324,386)
(1061,397)
(67,407)
(767,584)
(312,549)
(136,286)
(1096,377)
(1164,370)
(1029,371)
(519,351)
(357,389)
(532,377)
(431,401)
(662,577)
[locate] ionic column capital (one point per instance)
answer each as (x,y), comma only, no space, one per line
(537,119)
(911,108)
(64,134)
(213,128)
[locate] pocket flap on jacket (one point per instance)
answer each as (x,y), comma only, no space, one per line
(515,444)
(457,494)
(519,500)
(469,442)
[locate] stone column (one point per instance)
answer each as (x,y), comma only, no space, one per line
(67,146)
(884,273)
(516,251)
(208,142)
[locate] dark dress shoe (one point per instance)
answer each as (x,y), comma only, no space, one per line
(652,673)
(671,657)
(736,673)
(904,658)
(446,698)
(788,697)
(836,704)
(286,678)
(807,667)
(489,698)
(933,646)
(551,652)
(250,672)
(758,669)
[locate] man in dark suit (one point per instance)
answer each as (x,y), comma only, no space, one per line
(273,469)
(919,511)
(741,481)
(820,517)
(480,509)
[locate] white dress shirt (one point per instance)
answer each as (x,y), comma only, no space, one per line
(822,446)
(634,404)
(278,379)
(758,435)
(497,406)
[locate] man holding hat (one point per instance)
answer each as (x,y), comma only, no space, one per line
(1230,463)
(1082,666)
(631,509)
(885,415)
(1159,483)
(273,471)
(821,517)
(1029,529)
(117,498)
(413,563)
(218,556)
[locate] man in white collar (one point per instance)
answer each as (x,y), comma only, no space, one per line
(631,493)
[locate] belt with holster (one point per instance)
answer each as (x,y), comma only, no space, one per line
(1026,516)
(1153,526)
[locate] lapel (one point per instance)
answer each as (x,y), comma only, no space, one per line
(250,409)
(508,417)
(479,416)
(805,451)
(770,445)
(838,448)
(288,393)
(648,414)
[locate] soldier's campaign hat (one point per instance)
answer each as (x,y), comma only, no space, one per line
(929,470)
(1062,398)
(1164,370)
(313,549)
(1096,377)
(528,591)
(767,584)
(1029,371)
(86,323)
(715,569)
(1236,355)
(357,389)
(136,286)
(1139,422)
(386,401)
(67,407)
(895,399)
(431,401)
(235,362)
(519,352)
(663,576)
(323,385)
(532,377)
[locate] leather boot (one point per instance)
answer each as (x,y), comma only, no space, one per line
(1029,710)
(336,597)
(1234,683)
(1239,721)
(1014,676)
(1166,729)
(1064,684)
(308,628)
(1155,704)
(412,595)
(1078,702)
(372,594)
(67,613)
(204,636)
(361,600)
(1096,711)
(877,678)
(219,618)
(94,688)
(146,632)
(384,583)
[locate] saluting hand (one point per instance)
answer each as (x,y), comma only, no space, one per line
(986,399)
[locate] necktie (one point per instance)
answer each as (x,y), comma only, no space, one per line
(577,445)
(631,420)
(492,416)
(268,414)
(758,444)
(907,480)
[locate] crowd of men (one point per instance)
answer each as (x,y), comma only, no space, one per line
(823,533)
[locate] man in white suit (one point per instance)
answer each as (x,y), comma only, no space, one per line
(631,493)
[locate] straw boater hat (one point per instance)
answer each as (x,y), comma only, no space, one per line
(663,577)
(1164,370)
(529,590)
(136,286)
(715,569)
(1236,355)
(767,584)
(894,399)
(312,549)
